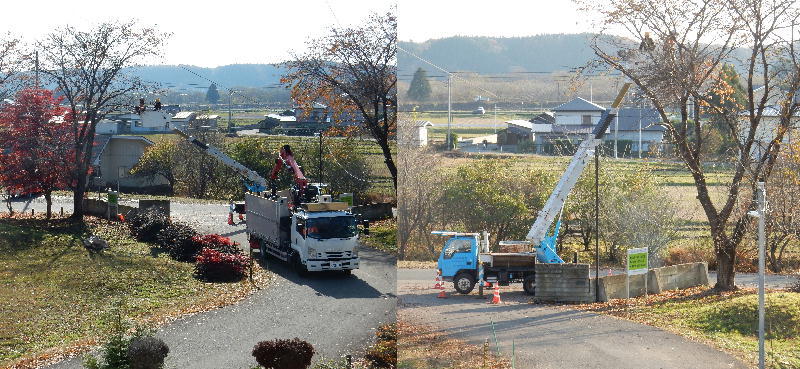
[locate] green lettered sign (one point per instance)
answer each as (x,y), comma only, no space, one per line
(637,261)
(113,198)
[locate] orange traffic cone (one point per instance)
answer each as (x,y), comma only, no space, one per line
(230,219)
(439,285)
(442,294)
(121,218)
(241,216)
(496,296)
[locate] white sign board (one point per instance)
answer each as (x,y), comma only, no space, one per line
(637,261)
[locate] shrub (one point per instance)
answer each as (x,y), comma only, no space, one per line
(284,354)
(212,265)
(384,353)
(218,243)
(116,352)
(176,238)
(795,286)
(146,225)
(147,353)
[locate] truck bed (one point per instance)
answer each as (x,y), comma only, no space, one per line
(509,259)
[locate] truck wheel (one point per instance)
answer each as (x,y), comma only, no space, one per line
(464,283)
(263,250)
(529,284)
(347,272)
(299,267)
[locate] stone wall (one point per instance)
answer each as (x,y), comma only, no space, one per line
(563,283)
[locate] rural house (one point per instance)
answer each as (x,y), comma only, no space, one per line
(113,156)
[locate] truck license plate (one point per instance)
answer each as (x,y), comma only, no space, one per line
(336,265)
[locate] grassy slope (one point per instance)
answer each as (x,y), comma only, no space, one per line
(727,321)
(56,297)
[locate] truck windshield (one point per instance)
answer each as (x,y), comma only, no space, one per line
(331,227)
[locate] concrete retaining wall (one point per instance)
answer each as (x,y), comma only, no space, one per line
(658,280)
(563,283)
(99,208)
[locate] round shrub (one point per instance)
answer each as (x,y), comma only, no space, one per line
(284,354)
(145,225)
(176,238)
(212,265)
(216,242)
(147,353)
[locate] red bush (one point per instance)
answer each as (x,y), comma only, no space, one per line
(216,242)
(213,265)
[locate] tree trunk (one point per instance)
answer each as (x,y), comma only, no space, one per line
(48,197)
(387,157)
(726,262)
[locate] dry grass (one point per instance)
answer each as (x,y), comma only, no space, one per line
(424,347)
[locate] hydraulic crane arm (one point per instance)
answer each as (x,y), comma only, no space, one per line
(554,204)
(257,182)
(286,158)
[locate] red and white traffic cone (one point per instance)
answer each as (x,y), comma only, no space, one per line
(241,217)
(496,295)
(230,219)
(609,272)
(439,285)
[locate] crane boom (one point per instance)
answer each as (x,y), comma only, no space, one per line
(555,202)
(257,182)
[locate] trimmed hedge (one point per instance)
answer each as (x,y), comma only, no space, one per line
(146,225)
(284,354)
(177,239)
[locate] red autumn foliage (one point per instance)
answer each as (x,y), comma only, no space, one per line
(212,265)
(37,144)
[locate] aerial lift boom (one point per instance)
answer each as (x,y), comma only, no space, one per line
(537,236)
(255,182)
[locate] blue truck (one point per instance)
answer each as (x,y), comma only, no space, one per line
(466,259)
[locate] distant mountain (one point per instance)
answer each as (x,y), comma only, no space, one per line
(491,55)
(235,75)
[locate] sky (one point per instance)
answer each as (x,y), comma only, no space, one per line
(228,32)
(421,20)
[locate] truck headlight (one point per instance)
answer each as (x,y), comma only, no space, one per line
(312,252)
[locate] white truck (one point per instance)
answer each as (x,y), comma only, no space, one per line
(302,226)
(316,236)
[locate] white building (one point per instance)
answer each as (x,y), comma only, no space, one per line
(415,133)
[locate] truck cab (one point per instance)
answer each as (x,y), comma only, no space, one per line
(326,240)
(459,254)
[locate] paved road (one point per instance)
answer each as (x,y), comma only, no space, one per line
(550,336)
(335,313)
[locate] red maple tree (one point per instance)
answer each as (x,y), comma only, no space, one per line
(36,145)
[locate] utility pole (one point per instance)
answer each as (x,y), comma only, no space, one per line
(641,107)
(495,118)
(37,68)
(597,225)
(760,213)
(449,107)
(320,155)
(230,95)
(616,132)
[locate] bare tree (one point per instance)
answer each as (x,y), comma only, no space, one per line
(354,69)
(12,59)
(88,68)
(418,191)
(783,222)
(679,49)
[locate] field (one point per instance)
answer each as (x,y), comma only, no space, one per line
(58,298)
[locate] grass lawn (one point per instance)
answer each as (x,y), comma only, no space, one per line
(56,297)
(422,347)
(728,321)
(382,236)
